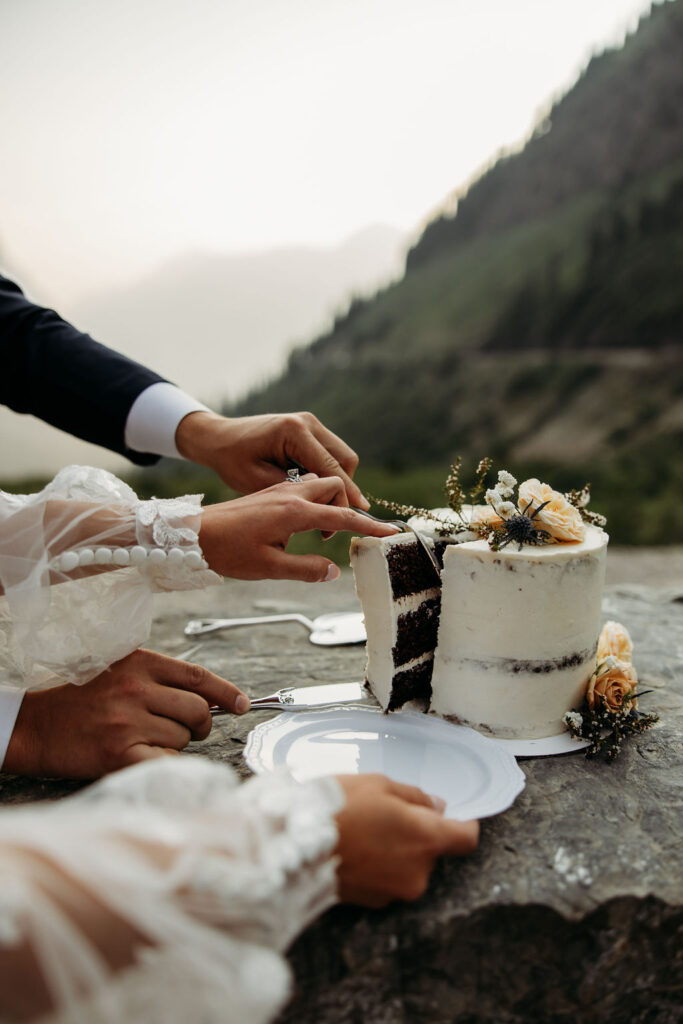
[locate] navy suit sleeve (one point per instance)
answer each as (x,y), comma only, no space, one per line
(64,377)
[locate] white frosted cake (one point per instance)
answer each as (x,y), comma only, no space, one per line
(507,643)
(518,636)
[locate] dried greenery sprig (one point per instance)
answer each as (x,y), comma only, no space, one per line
(606,728)
(404,510)
(456,498)
(452,488)
(480,482)
(580,500)
(445,527)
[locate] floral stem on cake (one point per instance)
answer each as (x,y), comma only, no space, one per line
(609,713)
(480,482)
(580,500)
(412,510)
(456,500)
(452,488)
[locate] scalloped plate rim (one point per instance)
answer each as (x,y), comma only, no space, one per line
(506,780)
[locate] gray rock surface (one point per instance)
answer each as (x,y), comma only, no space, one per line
(570,910)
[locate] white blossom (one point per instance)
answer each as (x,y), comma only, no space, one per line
(573,718)
(505,509)
(494,498)
(506,483)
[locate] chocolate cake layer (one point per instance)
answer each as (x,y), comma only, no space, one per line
(412,684)
(416,632)
(410,570)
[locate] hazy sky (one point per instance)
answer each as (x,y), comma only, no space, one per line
(134,130)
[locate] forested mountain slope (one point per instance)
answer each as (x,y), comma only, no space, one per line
(543,322)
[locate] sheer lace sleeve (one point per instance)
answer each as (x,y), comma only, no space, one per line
(165,893)
(65,614)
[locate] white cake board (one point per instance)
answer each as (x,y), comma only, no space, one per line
(545,746)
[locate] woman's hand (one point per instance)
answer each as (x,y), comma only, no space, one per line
(246,538)
(253,452)
(144,706)
(390,836)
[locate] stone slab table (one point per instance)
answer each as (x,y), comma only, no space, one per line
(570,910)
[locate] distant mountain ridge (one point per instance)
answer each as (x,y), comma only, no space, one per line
(619,122)
(543,322)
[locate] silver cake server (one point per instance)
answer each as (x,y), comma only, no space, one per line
(308,698)
(329,630)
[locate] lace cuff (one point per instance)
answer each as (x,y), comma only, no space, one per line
(84,524)
(167,531)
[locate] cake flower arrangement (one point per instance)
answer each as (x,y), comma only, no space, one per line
(609,713)
(540,515)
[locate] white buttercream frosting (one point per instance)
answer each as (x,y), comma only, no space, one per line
(518,633)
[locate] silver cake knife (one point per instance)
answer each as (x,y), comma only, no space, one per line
(308,698)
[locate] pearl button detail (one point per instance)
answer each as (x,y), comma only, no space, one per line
(137,555)
(175,557)
(157,556)
(121,556)
(68,561)
(193,560)
(103,556)
(86,556)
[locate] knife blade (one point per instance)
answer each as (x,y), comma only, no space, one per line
(308,698)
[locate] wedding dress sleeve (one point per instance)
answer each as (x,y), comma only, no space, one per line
(79,562)
(165,893)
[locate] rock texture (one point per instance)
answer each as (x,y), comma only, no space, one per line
(570,910)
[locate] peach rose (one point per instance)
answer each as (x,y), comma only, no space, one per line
(613,680)
(615,641)
(485,515)
(559,518)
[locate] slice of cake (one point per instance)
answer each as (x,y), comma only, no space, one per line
(507,643)
(401,598)
(400,595)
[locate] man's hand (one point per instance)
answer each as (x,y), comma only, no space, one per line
(253,452)
(144,706)
(246,538)
(390,836)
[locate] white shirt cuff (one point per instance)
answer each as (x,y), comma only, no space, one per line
(10,702)
(154,417)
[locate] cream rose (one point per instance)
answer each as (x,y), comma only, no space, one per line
(612,680)
(615,641)
(485,515)
(559,518)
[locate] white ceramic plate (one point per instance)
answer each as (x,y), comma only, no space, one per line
(544,747)
(473,774)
